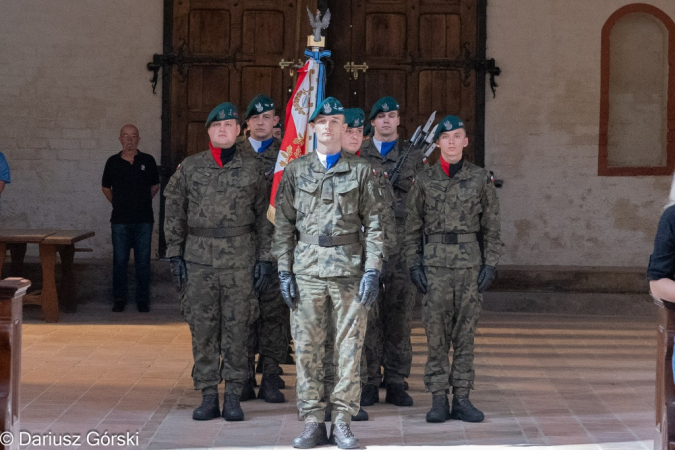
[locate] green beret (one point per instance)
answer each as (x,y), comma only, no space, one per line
(354,117)
(329,107)
(259,105)
(448,123)
(385,104)
(224,111)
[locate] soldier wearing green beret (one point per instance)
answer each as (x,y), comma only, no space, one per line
(326,200)
(384,150)
(449,205)
(270,332)
(218,237)
(352,139)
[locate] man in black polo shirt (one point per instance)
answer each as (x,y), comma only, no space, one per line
(130,181)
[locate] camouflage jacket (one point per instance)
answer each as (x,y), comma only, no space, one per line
(388,219)
(203,195)
(465,203)
(413,164)
(314,201)
(266,159)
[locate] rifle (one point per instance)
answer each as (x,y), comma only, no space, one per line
(418,140)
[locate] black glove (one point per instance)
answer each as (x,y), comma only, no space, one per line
(369,287)
(485,277)
(178,272)
(262,276)
(289,290)
(419,278)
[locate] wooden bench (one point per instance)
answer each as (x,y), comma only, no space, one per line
(12,291)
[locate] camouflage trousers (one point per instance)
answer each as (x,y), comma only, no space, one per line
(219,305)
(451,309)
(269,334)
(324,301)
(330,361)
(388,335)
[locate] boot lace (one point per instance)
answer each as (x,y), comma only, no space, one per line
(309,429)
(344,429)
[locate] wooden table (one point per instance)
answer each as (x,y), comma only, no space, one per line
(50,242)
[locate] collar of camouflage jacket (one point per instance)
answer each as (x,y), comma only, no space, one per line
(438,174)
(372,151)
(211,163)
(341,166)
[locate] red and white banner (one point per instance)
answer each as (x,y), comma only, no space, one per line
(298,140)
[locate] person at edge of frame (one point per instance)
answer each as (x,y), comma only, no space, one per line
(218,242)
(449,204)
(326,200)
(661,269)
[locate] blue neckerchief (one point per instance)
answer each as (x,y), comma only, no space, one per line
(260,146)
(331,160)
(328,161)
(384,147)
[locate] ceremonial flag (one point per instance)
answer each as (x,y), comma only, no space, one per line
(298,140)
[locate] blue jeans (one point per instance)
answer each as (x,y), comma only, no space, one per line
(126,236)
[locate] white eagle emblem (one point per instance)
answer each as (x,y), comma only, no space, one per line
(448,125)
(327,109)
(385,107)
(221,114)
(258,107)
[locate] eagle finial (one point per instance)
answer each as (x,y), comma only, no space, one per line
(317,23)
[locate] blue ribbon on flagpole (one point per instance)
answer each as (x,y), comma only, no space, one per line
(321,89)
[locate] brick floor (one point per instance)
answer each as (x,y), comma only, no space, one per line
(544,381)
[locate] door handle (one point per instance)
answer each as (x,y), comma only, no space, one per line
(292,65)
(352,68)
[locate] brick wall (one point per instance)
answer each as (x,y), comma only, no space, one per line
(542,140)
(73,73)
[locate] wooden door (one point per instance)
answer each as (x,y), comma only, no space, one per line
(229,51)
(415,50)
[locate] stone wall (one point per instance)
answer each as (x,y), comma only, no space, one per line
(542,140)
(73,73)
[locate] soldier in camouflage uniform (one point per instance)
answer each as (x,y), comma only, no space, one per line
(269,333)
(325,199)
(383,151)
(372,346)
(449,204)
(217,237)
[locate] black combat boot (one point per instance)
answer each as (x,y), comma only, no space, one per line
(314,434)
(397,395)
(463,409)
(281,384)
(360,416)
(209,409)
(269,390)
(232,411)
(342,436)
(269,386)
(440,409)
(248,393)
(370,395)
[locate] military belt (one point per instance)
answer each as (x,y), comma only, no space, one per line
(330,241)
(224,232)
(451,238)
